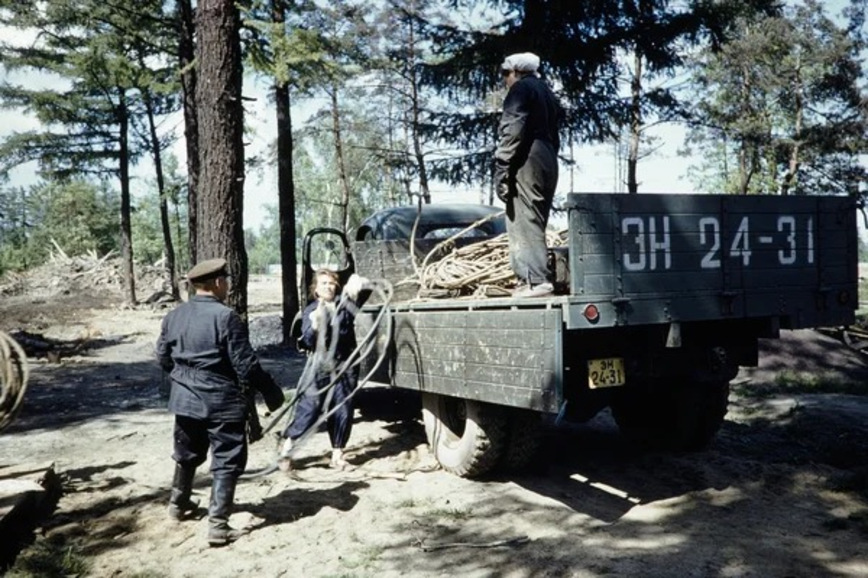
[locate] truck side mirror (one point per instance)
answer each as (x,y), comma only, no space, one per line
(324,248)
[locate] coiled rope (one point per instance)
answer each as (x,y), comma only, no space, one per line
(323,358)
(480,269)
(13,378)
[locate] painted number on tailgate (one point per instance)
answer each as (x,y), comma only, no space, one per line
(606,372)
(647,242)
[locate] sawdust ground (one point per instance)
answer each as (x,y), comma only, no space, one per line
(783,490)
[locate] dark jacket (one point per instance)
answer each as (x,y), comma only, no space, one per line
(205,347)
(530,114)
(346,329)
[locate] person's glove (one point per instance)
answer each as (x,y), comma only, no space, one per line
(504,191)
(254,427)
(272,394)
(356,285)
(318,317)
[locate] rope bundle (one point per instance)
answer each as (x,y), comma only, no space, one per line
(13,378)
(479,269)
(323,356)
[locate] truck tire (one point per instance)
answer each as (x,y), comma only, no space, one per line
(524,438)
(467,437)
(681,418)
(709,410)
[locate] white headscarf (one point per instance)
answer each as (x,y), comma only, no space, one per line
(521,62)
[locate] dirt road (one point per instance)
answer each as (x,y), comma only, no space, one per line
(783,490)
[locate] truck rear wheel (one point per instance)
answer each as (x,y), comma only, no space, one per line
(684,418)
(467,437)
(524,438)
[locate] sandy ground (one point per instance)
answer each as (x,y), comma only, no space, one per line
(782,491)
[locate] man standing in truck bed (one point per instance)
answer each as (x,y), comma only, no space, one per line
(526,169)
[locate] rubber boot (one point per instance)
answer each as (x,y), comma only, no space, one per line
(220,532)
(181,507)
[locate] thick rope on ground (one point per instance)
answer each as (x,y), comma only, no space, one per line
(13,378)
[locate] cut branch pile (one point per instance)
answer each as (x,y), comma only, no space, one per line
(94,270)
(90,273)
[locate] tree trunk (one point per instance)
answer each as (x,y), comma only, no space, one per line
(186,60)
(745,166)
(391,198)
(794,162)
(285,196)
(339,156)
(417,142)
(161,191)
(220,198)
(124,168)
(635,123)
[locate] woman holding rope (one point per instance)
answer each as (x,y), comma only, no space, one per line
(328,330)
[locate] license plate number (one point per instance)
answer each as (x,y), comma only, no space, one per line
(606,372)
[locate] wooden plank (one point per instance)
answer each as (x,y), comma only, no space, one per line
(28,496)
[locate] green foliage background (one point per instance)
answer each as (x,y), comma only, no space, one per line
(393,91)
(75,216)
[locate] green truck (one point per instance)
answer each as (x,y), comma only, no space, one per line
(659,300)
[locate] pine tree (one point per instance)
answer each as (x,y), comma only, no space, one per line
(185,27)
(273,49)
(220,198)
(786,97)
(582,46)
(89,47)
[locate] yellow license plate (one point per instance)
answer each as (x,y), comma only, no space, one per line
(606,372)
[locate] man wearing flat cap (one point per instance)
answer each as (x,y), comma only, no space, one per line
(204,346)
(526,169)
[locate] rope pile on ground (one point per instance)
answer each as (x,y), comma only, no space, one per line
(13,378)
(479,269)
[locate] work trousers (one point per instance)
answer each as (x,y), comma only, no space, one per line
(527,214)
(227,441)
(311,406)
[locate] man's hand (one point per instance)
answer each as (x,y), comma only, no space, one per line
(356,285)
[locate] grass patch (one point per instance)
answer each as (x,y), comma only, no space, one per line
(450,513)
(855,481)
(789,381)
(863,299)
(859,521)
(49,557)
(365,559)
(410,503)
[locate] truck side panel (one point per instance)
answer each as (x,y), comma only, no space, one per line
(509,357)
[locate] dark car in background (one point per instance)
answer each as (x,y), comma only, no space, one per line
(434,222)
